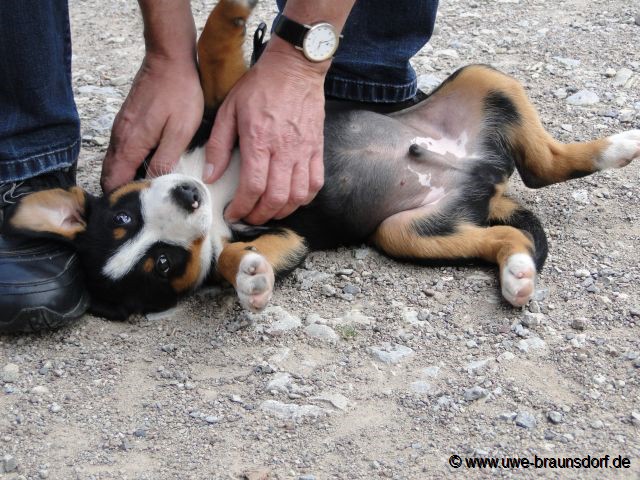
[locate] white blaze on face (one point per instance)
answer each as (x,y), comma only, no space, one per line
(164,221)
(445,145)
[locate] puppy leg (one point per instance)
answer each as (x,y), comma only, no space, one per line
(251,267)
(507,246)
(220,55)
(479,100)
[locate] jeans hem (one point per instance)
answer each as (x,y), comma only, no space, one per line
(25,168)
(362,91)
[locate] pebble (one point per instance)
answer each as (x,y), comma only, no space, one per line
(8,464)
(533,343)
(281,382)
(568,62)
(431,372)
(361,253)
(597,424)
(477,366)
(475,393)
(10,373)
(308,278)
(610,72)
(505,356)
(581,197)
(531,320)
(328,290)
(422,387)
(554,417)
(579,323)
(336,400)
(291,411)
(622,77)
(390,353)
(428,82)
(54,408)
(583,98)
(211,419)
(351,289)
(635,418)
(307,477)
(322,332)
(525,420)
(40,390)
(284,321)
(637,19)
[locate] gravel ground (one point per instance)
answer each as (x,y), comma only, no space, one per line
(364,367)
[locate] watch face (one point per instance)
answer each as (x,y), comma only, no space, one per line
(320,43)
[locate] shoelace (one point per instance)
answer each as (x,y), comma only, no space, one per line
(9,194)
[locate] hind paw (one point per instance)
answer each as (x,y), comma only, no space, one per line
(518,279)
(623,149)
(254,282)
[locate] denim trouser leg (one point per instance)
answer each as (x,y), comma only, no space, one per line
(39,124)
(380,36)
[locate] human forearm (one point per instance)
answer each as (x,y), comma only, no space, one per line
(169,29)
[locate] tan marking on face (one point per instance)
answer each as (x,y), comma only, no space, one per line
(148,265)
(119,233)
(57,211)
(192,271)
(128,188)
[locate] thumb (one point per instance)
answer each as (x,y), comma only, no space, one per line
(220,145)
(118,169)
(172,145)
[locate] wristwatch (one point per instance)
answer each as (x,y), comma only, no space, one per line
(318,42)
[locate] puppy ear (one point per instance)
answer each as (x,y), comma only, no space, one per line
(56,213)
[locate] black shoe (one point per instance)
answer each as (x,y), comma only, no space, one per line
(41,284)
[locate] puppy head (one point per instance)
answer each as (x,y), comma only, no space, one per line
(140,246)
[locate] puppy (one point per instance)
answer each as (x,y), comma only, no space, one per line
(425,184)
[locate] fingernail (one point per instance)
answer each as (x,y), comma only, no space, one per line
(208,171)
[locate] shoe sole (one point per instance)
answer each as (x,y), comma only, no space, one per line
(36,319)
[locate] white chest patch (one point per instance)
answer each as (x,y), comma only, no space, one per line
(445,145)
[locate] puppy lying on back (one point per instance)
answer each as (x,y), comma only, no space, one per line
(427,184)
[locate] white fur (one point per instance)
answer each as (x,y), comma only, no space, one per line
(445,145)
(623,148)
(254,282)
(518,279)
(163,220)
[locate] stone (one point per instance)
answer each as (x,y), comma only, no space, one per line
(635,418)
(431,372)
(531,320)
(351,289)
(581,196)
(322,332)
(328,290)
(583,98)
(567,62)
(422,387)
(579,323)
(554,417)
(505,357)
(475,393)
(597,424)
(428,82)
(283,321)
(525,420)
(40,390)
(336,400)
(390,353)
(291,411)
(361,253)
(477,366)
(582,273)
(54,408)
(10,373)
(533,343)
(281,382)
(8,464)
(308,278)
(622,77)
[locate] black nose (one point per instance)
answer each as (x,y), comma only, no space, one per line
(187,196)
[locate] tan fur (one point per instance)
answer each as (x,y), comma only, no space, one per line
(545,158)
(192,271)
(119,233)
(128,188)
(493,244)
(220,55)
(57,211)
(279,250)
(148,265)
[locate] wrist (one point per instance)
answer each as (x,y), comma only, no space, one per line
(294,58)
(169,29)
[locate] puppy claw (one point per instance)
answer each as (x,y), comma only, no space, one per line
(518,279)
(254,282)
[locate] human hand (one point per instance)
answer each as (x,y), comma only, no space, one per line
(277,111)
(163,109)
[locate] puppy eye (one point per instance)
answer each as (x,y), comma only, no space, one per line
(163,265)
(121,218)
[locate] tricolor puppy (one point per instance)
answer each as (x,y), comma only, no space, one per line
(426,183)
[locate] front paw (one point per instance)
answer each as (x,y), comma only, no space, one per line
(518,278)
(254,282)
(623,148)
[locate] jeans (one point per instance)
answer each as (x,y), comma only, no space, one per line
(39,123)
(379,38)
